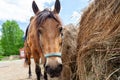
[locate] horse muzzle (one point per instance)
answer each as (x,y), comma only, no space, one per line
(54,72)
(53,65)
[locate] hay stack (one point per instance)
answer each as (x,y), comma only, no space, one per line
(99,41)
(69,52)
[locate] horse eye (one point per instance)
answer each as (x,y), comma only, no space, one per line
(60,29)
(61,34)
(39,31)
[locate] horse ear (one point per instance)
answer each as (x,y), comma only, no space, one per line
(57,7)
(35,7)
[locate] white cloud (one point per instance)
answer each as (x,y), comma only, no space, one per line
(19,10)
(76,16)
(52,7)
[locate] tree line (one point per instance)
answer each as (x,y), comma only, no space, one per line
(11,39)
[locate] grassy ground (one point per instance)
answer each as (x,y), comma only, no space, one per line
(1,57)
(7,58)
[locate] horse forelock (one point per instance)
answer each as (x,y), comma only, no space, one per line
(43,15)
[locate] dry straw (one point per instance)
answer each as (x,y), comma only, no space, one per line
(69,52)
(98,42)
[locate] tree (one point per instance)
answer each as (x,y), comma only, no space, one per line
(1,52)
(11,40)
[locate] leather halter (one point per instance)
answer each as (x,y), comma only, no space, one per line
(56,54)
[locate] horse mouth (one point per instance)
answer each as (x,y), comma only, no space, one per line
(54,72)
(54,75)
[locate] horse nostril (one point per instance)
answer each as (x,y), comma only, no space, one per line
(60,65)
(59,68)
(47,68)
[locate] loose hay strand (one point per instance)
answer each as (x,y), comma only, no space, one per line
(112,73)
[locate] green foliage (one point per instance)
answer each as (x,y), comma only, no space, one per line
(11,40)
(1,57)
(1,50)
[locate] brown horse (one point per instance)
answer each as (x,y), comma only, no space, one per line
(27,50)
(44,40)
(27,57)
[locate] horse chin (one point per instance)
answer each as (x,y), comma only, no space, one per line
(54,75)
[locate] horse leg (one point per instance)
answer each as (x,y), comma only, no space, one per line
(29,71)
(38,71)
(45,75)
(37,67)
(29,63)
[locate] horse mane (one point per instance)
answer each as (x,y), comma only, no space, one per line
(43,15)
(26,32)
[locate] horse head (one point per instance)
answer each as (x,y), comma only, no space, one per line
(48,30)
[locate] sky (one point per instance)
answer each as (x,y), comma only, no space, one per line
(21,10)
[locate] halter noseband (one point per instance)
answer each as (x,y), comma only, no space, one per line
(56,54)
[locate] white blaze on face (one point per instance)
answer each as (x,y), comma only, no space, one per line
(59,60)
(53,61)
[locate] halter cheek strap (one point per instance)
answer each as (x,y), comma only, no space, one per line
(54,54)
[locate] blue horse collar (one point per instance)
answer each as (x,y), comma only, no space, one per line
(54,54)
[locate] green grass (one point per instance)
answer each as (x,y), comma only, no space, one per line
(1,57)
